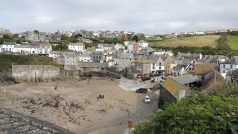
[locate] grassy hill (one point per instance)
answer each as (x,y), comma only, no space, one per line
(195,41)
(7,61)
(232,42)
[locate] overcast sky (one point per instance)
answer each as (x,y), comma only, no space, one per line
(147,16)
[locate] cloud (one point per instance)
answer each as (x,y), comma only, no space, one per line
(43,20)
(148,16)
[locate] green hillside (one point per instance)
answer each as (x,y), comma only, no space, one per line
(7,61)
(232,42)
(194,41)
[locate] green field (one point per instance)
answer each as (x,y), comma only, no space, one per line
(195,41)
(7,61)
(232,42)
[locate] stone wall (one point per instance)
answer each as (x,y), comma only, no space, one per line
(34,73)
(16,123)
(165,97)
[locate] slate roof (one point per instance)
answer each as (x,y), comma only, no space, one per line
(32,46)
(185,79)
(173,87)
(126,55)
(179,67)
(9,43)
(233,61)
(203,69)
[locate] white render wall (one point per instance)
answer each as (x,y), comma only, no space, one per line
(85,59)
(77,48)
(7,47)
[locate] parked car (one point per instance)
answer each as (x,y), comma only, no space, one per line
(142,90)
(147,99)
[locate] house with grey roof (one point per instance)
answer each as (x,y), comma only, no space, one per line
(228,65)
(91,66)
(97,57)
(188,79)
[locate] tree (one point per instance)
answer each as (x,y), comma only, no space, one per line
(7,38)
(60,47)
(135,38)
(198,113)
(36,32)
(1,40)
(77,35)
(142,37)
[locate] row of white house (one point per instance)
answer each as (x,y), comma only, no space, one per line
(26,48)
(36,48)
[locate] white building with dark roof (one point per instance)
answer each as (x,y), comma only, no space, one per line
(8,46)
(44,49)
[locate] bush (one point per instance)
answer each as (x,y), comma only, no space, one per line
(198,113)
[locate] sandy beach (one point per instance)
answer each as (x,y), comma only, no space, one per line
(73,104)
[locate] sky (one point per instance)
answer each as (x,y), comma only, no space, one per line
(146,16)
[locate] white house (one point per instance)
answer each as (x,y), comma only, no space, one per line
(143,44)
(108,57)
(106,47)
(99,50)
(126,43)
(111,63)
(7,47)
(163,52)
(85,58)
(78,47)
(44,49)
(54,54)
(160,65)
(119,46)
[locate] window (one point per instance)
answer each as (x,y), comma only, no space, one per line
(160,63)
(223,65)
(231,66)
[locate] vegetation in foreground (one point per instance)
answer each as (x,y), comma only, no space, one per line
(198,113)
(7,61)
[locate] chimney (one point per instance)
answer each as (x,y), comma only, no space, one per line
(181,94)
